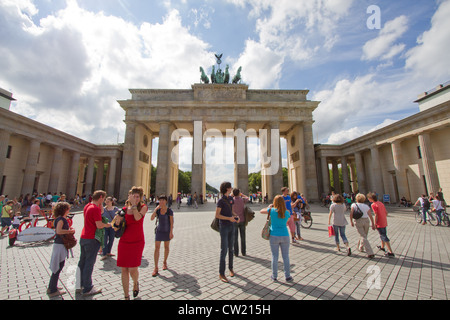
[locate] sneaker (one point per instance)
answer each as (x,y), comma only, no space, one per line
(289,279)
(382,249)
(93,291)
(273,278)
(56,293)
(389,254)
(349,252)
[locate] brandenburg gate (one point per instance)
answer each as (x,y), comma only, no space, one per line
(219,109)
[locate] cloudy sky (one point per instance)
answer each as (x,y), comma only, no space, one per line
(67,62)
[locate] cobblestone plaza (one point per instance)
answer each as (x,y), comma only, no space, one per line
(420,269)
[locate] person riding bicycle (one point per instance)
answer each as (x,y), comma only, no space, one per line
(35,211)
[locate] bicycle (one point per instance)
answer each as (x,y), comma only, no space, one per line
(307,220)
(30,223)
(431,216)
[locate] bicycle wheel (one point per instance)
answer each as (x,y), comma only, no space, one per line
(432,218)
(419,217)
(24,225)
(445,220)
(306,222)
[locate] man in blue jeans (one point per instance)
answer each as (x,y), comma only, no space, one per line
(89,245)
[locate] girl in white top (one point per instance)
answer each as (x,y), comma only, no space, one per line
(362,224)
(438,207)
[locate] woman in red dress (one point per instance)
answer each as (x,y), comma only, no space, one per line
(131,244)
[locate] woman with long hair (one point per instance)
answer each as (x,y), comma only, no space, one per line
(131,244)
(279,235)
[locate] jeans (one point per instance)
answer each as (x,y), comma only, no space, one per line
(226,246)
(53,285)
(275,244)
(339,230)
(298,227)
(108,240)
(239,230)
(88,256)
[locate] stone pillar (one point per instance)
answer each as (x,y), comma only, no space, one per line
(360,173)
(241,157)
(112,176)
(128,161)
(335,171)
(163,166)
(311,192)
(345,176)
(73,176)
(198,169)
(56,170)
(400,172)
(100,175)
(428,163)
(325,174)
(377,176)
(354,184)
(4,143)
(30,168)
(89,176)
(271,165)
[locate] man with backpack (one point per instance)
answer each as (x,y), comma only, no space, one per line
(425,205)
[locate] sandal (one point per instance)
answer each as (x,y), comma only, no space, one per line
(155,272)
(127,298)
(136,291)
(165,266)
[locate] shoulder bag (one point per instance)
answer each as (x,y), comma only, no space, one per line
(357,214)
(265,233)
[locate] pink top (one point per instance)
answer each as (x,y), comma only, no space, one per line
(35,209)
(239,206)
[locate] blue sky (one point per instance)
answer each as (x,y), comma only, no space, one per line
(74,59)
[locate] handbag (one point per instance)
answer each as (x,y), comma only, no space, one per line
(331,231)
(69,241)
(215,224)
(265,233)
(357,214)
(119,227)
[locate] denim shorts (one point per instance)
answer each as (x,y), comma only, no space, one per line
(383,234)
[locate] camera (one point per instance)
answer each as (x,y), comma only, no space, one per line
(121,213)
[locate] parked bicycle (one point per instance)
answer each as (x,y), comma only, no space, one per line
(307,220)
(35,222)
(431,216)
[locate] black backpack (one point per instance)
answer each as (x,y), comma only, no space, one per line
(426,203)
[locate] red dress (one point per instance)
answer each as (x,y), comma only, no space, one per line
(131,244)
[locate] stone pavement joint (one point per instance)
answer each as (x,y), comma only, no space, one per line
(420,269)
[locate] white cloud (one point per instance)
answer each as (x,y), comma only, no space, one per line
(383,47)
(75,64)
(429,58)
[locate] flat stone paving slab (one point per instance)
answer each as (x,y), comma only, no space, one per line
(420,269)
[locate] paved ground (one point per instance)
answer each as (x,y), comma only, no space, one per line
(420,270)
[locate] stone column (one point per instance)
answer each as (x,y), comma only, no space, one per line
(311,192)
(30,168)
(73,175)
(354,184)
(325,174)
(112,176)
(128,160)
(162,170)
(89,176)
(335,171)
(100,175)
(4,143)
(345,176)
(428,163)
(198,172)
(56,170)
(240,161)
(377,176)
(360,173)
(271,165)
(400,172)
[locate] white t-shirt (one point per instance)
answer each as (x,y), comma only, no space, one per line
(363,207)
(437,204)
